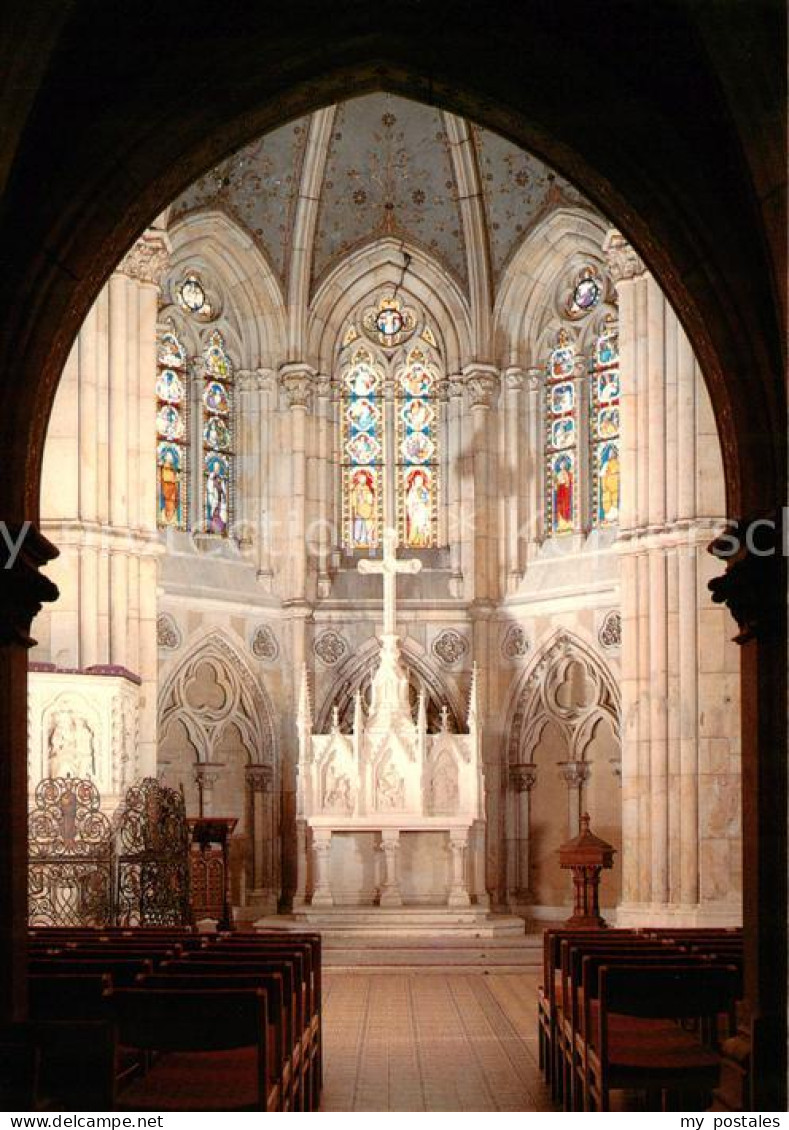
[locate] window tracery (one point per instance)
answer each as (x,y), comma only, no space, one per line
(582,410)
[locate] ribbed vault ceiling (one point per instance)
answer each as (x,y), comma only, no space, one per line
(377,166)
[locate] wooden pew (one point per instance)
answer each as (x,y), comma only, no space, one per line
(627,1047)
(212,1049)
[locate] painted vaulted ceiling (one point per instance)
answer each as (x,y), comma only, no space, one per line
(382,165)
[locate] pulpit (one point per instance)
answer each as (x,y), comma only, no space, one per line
(586,856)
(209,864)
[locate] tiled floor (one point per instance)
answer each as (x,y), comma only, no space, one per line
(431,1041)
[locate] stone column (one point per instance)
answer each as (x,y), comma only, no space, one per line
(680,830)
(206,776)
(515,381)
(456,532)
(523,777)
(302,863)
(482,384)
(533,461)
(260,783)
(297,381)
(575,775)
(23,590)
(458,889)
(325,536)
(390,887)
(249,483)
(321,846)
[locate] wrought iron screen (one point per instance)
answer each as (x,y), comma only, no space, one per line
(153,857)
(70,856)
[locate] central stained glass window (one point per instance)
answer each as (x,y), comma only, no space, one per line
(390,451)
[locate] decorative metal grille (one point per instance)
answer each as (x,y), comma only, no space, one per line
(70,855)
(153,857)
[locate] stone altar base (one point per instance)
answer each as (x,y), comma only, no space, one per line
(437,922)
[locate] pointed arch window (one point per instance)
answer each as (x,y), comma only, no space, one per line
(362,433)
(561,439)
(390,449)
(604,425)
(417,476)
(218,437)
(172,433)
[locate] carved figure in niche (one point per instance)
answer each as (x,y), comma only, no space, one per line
(337,797)
(71,746)
(389,792)
(443,796)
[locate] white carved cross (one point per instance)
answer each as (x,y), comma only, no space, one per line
(389,567)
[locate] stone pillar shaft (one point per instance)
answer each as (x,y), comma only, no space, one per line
(458,890)
(321,843)
(390,887)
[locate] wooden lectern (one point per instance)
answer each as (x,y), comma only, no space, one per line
(209,860)
(586,856)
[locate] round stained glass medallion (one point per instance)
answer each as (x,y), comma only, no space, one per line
(362,415)
(389,321)
(169,422)
(192,295)
(169,387)
(215,398)
(417,448)
(586,294)
(361,380)
(363,448)
(216,433)
(416,381)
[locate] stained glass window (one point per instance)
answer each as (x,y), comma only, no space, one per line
(604,426)
(362,452)
(218,439)
(417,452)
(561,439)
(171,433)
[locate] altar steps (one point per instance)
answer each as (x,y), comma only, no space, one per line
(416,955)
(416,939)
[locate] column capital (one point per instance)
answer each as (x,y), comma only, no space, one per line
(455,383)
(255,380)
(260,778)
(207,773)
(323,386)
(297,381)
(483,383)
(535,375)
(523,776)
(574,772)
(751,587)
(623,260)
(148,259)
(23,589)
(516,379)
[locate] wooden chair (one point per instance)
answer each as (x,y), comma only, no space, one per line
(212,1046)
(626,1049)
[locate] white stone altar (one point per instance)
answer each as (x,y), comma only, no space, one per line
(369,800)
